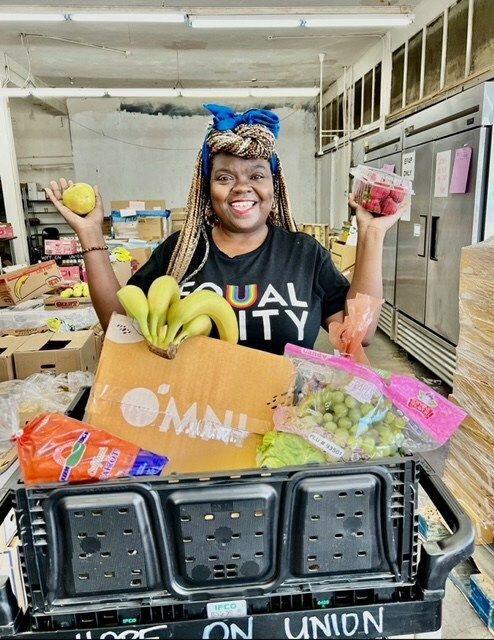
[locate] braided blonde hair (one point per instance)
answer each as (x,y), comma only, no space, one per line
(245,141)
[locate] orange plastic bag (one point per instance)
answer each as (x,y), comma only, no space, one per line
(347,336)
(56,448)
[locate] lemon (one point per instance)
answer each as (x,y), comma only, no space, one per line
(80,198)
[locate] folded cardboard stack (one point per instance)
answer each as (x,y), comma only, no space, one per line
(469,471)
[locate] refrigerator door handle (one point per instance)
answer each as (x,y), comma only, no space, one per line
(434,231)
(424,236)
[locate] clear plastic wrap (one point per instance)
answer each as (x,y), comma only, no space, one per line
(36,316)
(37,394)
(351,412)
(469,471)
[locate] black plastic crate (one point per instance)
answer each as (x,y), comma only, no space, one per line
(189,537)
(317,551)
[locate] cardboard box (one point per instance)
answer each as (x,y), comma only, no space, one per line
(177,226)
(123,271)
(56,352)
(99,336)
(8,345)
(343,255)
(57,302)
(28,282)
(151,229)
(138,205)
(62,247)
(178,214)
(33,188)
(318,231)
(71,274)
(6,231)
(207,409)
(139,257)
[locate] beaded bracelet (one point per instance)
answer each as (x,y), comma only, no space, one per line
(105,248)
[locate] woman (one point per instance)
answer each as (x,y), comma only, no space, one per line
(241,240)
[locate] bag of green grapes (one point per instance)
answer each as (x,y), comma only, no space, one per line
(352,412)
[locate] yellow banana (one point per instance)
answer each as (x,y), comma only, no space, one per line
(19,284)
(199,326)
(135,303)
(198,303)
(162,292)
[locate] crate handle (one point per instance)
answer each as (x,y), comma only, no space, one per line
(439,558)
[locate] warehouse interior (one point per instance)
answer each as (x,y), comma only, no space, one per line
(114,96)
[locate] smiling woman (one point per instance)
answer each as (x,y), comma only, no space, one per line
(240,240)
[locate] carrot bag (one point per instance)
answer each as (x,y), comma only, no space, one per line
(56,448)
(351,412)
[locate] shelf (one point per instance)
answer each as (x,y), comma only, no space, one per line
(8,239)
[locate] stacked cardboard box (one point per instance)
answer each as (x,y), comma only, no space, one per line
(321,232)
(469,471)
(178,216)
(140,219)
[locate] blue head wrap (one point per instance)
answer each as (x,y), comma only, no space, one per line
(225,119)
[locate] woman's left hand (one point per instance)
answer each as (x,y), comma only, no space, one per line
(367,220)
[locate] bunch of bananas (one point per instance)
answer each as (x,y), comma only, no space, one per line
(79,290)
(120,254)
(166,320)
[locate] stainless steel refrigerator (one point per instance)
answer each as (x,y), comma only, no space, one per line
(383,150)
(448,152)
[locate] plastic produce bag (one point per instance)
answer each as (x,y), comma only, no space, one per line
(56,448)
(9,422)
(347,336)
(350,412)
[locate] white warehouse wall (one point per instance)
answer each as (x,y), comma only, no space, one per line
(136,154)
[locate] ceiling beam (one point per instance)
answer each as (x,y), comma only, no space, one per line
(15,75)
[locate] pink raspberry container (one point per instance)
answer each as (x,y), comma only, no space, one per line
(380,192)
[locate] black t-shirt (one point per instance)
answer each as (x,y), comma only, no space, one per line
(282,292)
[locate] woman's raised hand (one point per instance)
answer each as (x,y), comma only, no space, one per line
(90,223)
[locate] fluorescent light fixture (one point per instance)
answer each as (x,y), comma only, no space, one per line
(144,93)
(221,92)
(110,16)
(285,92)
(64,92)
(360,20)
(244,22)
(31,17)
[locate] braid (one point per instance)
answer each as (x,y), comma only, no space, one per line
(245,141)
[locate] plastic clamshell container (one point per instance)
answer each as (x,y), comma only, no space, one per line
(380,192)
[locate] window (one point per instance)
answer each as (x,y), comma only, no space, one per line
(340,114)
(334,117)
(377,92)
(413,68)
(357,105)
(433,53)
(368,97)
(457,41)
(483,35)
(397,79)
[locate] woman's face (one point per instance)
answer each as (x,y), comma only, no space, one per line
(241,192)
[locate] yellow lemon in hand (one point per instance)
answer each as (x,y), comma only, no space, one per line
(80,198)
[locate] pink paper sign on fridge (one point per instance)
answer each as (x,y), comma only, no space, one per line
(461,169)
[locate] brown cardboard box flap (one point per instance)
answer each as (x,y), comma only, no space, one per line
(206,410)
(8,345)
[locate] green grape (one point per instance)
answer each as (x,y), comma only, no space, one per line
(384,452)
(387,438)
(389,418)
(328,417)
(318,417)
(350,402)
(400,423)
(367,439)
(330,426)
(353,429)
(366,408)
(340,410)
(338,397)
(354,414)
(344,423)
(341,436)
(373,433)
(368,448)
(353,441)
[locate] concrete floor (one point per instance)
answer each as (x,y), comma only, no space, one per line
(459,619)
